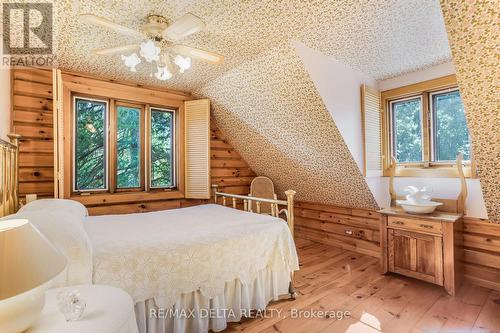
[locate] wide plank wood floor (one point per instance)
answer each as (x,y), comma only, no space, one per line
(334,279)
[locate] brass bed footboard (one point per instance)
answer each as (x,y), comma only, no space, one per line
(275,211)
(9,188)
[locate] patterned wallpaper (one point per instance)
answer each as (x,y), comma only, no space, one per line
(269,110)
(474,36)
(349,30)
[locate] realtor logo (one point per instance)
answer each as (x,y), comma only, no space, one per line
(27,28)
(27,35)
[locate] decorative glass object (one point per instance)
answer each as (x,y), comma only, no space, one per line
(71,304)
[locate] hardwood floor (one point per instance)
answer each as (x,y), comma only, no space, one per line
(334,279)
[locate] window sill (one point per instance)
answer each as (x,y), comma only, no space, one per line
(434,171)
(120,197)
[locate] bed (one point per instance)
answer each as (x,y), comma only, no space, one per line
(206,257)
(188,270)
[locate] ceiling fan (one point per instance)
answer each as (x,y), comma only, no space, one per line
(157,43)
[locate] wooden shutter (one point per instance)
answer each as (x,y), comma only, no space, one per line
(372,131)
(197,154)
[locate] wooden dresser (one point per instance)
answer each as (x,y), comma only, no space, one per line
(427,247)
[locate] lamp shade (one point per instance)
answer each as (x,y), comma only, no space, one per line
(27,258)
(28,261)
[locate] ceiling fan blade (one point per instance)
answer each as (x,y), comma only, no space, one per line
(118,49)
(103,22)
(189,51)
(187,25)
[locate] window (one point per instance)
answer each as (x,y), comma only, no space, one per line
(449,128)
(424,127)
(162,156)
(90,156)
(128,147)
(406,121)
(118,161)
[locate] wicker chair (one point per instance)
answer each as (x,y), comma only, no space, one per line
(262,187)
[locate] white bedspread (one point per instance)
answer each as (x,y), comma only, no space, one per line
(163,255)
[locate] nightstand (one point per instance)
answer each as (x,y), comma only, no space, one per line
(426,247)
(108,309)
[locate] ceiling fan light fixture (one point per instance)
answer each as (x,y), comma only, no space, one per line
(163,73)
(183,63)
(150,51)
(131,61)
(157,44)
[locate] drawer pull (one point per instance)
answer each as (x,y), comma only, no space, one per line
(427,226)
(398,222)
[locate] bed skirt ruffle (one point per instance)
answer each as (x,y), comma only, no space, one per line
(194,312)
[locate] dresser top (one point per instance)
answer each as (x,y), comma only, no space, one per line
(436,216)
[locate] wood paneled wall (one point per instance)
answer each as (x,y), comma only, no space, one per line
(358,230)
(32,119)
(227,167)
(352,229)
(482,252)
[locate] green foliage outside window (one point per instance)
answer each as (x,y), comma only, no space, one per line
(161,148)
(128,147)
(450,128)
(407,130)
(90,148)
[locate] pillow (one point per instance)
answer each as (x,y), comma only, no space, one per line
(72,206)
(64,229)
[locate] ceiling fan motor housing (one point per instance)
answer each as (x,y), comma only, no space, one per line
(155,26)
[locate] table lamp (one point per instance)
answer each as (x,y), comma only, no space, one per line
(28,261)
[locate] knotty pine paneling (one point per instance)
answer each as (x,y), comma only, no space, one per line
(32,118)
(351,229)
(482,252)
(358,230)
(228,169)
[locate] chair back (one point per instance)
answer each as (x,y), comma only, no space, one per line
(262,187)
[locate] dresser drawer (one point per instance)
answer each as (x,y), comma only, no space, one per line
(414,225)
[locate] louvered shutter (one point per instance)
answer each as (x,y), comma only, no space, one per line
(372,131)
(197,153)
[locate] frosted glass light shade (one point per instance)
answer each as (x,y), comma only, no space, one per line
(183,63)
(150,51)
(27,262)
(163,73)
(131,61)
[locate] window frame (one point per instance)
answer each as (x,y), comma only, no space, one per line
(432,124)
(174,171)
(176,190)
(427,167)
(391,130)
(106,146)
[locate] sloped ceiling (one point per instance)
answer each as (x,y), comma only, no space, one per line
(271,112)
(380,38)
(474,33)
(263,99)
